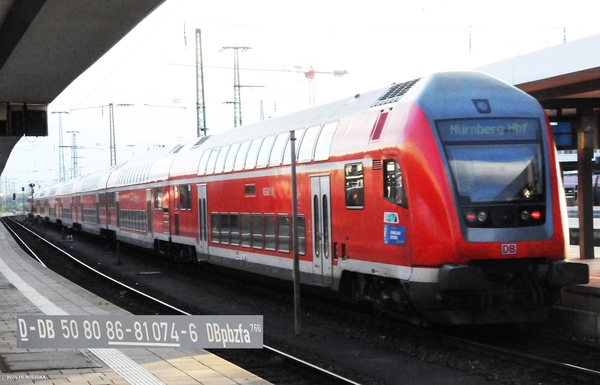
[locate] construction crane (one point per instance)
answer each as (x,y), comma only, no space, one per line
(310,75)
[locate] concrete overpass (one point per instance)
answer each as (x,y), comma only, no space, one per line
(44,46)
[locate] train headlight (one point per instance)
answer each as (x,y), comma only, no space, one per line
(481,216)
(524,215)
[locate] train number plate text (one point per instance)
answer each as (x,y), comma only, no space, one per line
(109,331)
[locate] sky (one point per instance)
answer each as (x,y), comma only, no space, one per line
(150,75)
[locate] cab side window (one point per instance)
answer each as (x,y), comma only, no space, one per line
(393,185)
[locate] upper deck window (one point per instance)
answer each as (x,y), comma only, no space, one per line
(210,166)
(287,155)
(308,143)
(240,158)
(203,161)
(323,146)
(229,162)
(265,152)
(277,151)
(221,159)
(252,153)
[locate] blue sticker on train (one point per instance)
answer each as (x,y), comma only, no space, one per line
(394,235)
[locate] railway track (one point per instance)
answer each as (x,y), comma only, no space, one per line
(579,359)
(269,363)
(553,361)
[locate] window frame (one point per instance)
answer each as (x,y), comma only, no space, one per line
(391,184)
(357,203)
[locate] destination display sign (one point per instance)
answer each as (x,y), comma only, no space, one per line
(128,331)
(471,130)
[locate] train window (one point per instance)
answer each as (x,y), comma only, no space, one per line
(265,152)
(317,225)
(240,158)
(355,189)
(257,231)
(278,147)
(185,196)
(235,229)
(212,160)
(283,233)
(229,162)
(175,197)
(246,235)
(308,143)
(301,224)
(270,231)
(214,227)
(378,127)
(225,228)
(393,186)
(250,190)
(324,142)
(287,156)
(221,159)
(111,200)
(252,153)
(325,206)
(158,198)
(203,161)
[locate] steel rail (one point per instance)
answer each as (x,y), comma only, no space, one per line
(23,242)
(286,356)
(541,360)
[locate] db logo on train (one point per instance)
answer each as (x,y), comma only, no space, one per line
(509,248)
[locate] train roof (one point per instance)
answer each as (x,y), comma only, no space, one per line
(438,94)
(187,160)
(147,169)
(348,106)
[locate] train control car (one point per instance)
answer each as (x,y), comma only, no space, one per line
(439,196)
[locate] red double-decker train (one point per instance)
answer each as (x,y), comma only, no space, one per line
(440,195)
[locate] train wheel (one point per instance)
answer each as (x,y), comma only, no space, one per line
(187,255)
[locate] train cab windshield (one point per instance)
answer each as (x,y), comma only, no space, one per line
(496,173)
(495,163)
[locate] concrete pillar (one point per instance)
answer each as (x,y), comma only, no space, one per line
(585,152)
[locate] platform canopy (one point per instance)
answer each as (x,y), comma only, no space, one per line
(569,72)
(45,45)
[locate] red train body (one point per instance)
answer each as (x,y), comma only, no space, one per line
(440,195)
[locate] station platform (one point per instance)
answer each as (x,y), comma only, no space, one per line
(27,287)
(594,264)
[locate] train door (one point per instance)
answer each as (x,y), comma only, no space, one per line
(117,211)
(321,229)
(149,211)
(165,210)
(202,220)
(97,209)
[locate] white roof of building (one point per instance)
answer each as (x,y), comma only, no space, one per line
(575,56)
